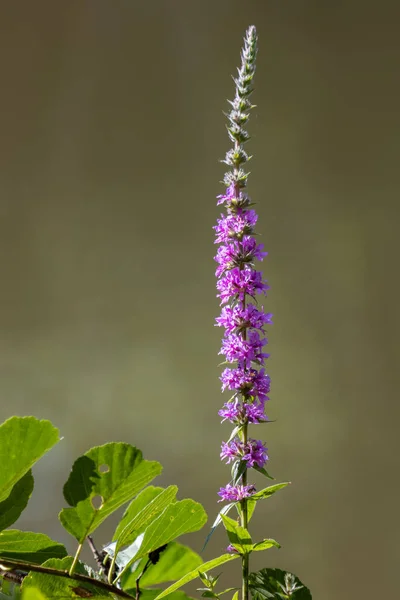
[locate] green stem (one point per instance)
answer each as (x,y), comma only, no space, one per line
(25,566)
(244,524)
(75,561)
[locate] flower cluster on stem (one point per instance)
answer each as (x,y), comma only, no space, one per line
(243,320)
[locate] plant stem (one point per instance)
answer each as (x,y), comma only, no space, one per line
(74,562)
(25,566)
(244,524)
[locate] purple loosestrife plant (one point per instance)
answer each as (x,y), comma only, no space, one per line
(239,285)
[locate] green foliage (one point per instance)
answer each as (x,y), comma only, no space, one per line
(178,518)
(238,536)
(114,473)
(143,509)
(23,440)
(27,546)
(12,507)
(62,587)
(262,495)
(275,584)
(204,568)
(174,563)
(144,552)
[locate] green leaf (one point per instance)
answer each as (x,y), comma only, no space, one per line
(175,561)
(261,495)
(275,584)
(145,508)
(224,510)
(26,545)
(61,587)
(152,594)
(237,535)
(265,545)
(23,440)
(263,472)
(12,507)
(33,593)
(269,491)
(235,596)
(207,566)
(181,517)
(101,481)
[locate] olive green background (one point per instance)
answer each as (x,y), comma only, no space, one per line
(111,131)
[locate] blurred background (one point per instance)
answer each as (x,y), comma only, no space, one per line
(111,131)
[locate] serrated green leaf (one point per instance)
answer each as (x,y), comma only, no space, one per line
(61,587)
(181,517)
(265,545)
(12,507)
(175,561)
(262,495)
(238,536)
(140,512)
(23,440)
(271,584)
(101,481)
(32,547)
(207,566)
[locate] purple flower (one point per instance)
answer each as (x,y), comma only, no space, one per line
(242,412)
(231,549)
(253,452)
(238,253)
(248,382)
(239,318)
(235,493)
(244,350)
(235,226)
(233,199)
(239,283)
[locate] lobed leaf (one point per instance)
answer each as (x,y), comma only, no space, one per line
(101,481)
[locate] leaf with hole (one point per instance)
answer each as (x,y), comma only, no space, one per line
(23,440)
(102,480)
